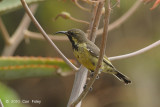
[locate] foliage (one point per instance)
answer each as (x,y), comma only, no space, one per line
(9,97)
(11,5)
(23,67)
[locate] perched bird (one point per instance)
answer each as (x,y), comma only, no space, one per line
(87,54)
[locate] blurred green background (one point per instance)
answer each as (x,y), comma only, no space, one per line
(140,30)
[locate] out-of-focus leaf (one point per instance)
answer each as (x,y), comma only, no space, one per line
(23,67)
(9,98)
(11,5)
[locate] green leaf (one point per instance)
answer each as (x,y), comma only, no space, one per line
(23,67)
(11,5)
(9,97)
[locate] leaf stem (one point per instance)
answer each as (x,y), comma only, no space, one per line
(136,52)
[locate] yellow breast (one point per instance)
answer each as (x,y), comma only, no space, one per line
(84,57)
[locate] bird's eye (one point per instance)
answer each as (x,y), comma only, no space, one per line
(71,33)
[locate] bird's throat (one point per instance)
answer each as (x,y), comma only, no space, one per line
(74,43)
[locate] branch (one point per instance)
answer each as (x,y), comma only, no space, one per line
(67,15)
(102,51)
(45,35)
(96,23)
(94,10)
(136,52)
(38,36)
(78,20)
(78,5)
(18,36)
(5,33)
(123,18)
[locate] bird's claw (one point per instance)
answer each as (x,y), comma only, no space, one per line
(84,87)
(92,74)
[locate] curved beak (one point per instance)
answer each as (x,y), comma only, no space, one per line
(61,32)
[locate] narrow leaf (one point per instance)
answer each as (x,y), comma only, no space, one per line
(23,67)
(11,5)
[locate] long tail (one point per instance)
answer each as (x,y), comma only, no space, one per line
(122,77)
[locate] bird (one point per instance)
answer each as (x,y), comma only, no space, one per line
(87,53)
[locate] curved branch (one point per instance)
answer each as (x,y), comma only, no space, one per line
(123,18)
(78,20)
(78,5)
(66,15)
(136,52)
(35,35)
(45,34)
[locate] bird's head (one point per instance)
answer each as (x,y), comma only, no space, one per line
(74,35)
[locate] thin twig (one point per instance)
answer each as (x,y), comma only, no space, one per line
(102,51)
(67,15)
(38,36)
(136,52)
(96,23)
(5,33)
(93,16)
(45,34)
(123,18)
(18,35)
(78,5)
(78,20)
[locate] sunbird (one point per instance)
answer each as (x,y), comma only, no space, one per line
(87,54)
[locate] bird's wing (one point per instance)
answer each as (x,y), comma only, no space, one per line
(94,51)
(106,60)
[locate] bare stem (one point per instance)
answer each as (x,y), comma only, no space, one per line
(78,20)
(45,34)
(102,51)
(38,36)
(5,33)
(94,10)
(96,22)
(78,5)
(123,18)
(136,52)
(67,15)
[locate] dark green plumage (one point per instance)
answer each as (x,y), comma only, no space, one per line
(87,54)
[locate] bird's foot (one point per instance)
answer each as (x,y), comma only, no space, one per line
(92,74)
(90,89)
(84,87)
